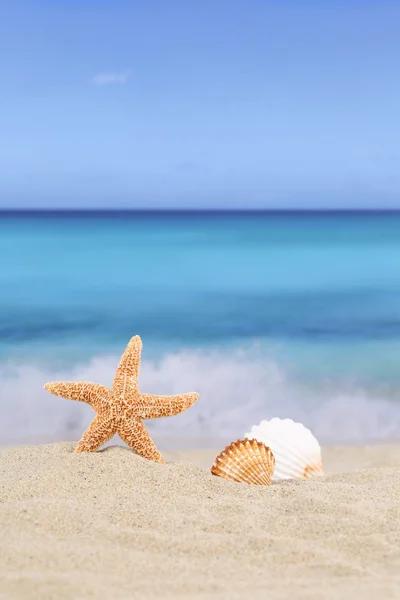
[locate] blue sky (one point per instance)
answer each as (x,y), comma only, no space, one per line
(211,103)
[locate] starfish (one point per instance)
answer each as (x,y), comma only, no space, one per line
(122,409)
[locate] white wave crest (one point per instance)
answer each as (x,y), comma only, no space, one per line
(236,390)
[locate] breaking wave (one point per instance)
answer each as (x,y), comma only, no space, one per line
(236,390)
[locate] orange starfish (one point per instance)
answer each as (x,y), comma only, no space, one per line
(122,409)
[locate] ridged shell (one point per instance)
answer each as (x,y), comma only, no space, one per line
(245,461)
(296,450)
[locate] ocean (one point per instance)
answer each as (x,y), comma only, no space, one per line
(263,313)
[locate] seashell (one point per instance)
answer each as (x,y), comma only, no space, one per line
(245,461)
(297,452)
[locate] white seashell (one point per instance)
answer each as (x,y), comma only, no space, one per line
(297,452)
(245,461)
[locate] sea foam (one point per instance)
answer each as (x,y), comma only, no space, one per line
(236,391)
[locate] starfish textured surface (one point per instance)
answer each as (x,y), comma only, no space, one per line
(122,409)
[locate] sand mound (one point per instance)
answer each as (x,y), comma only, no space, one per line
(113,525)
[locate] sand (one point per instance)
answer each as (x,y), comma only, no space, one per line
(112,525)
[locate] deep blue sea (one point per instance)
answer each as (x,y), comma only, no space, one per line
(264,314)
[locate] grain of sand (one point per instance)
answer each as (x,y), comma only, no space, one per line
(112,525)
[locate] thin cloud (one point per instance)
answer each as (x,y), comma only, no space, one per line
(110,78)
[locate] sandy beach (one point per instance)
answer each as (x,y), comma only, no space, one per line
(113,525)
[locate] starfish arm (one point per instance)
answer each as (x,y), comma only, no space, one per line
(135,434)
(127,375)
(98,396)
(98,433)
(153,407)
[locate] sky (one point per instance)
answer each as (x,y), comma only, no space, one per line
(200,104)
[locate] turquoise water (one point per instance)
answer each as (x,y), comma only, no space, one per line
(264,314)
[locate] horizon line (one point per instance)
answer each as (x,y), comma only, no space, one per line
(199,210)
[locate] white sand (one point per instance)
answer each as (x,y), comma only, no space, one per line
(112,525)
